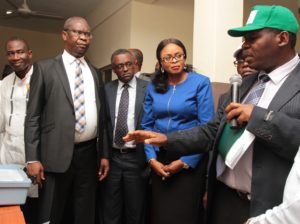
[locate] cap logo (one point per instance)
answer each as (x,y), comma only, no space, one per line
(252,16)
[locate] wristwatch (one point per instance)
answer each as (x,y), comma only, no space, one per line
(185,166)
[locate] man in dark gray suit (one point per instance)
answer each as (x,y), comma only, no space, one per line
(125,186)
(63,130)
(250,178)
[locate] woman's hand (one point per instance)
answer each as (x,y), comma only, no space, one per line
(158,168)
(174,167)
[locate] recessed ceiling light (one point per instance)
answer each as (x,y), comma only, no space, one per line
(9,12)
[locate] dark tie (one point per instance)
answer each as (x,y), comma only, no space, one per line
(229,135)
(121,125)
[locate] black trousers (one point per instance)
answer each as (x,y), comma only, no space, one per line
(70,197)
(29,210)
(228,206)
(124,190)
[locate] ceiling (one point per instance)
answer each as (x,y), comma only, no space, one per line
(64,8)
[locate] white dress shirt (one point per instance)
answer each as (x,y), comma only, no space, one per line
(90,131)
(288,212)
(13,101)
(131,108)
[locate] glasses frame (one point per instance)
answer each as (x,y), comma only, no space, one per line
(238,62)
(169,58)
(78,33)
(121,66)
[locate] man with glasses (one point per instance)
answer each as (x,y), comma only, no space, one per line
(64,130)
(125,186)
(241,65)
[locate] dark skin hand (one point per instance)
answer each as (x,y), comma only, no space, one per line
(234,110)
(147,137)
(103,170)
(242,112)
(174,167)
(158,168)
(36,170)
(166,170)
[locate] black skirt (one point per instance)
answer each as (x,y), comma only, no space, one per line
(178,199)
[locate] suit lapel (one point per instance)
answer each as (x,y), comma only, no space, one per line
(62,74)
(247,84)
(289,88)
(96,86)
(139,100)
(112,97)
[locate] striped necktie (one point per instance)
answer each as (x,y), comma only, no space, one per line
(79,99)
(257,91)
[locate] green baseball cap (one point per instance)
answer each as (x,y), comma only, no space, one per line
(268,16)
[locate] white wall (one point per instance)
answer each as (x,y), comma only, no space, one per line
(110,24)
(43,45)
(132,24)
(213,47)
(152,23)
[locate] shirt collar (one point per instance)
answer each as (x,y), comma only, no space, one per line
(26,78)
(281,72)
(70,59)
(131,83)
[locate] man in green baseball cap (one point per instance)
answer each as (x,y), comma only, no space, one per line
(247,176)
(263,16)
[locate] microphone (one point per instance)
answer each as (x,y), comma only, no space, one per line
(235,81)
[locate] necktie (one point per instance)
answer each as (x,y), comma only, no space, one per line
(121,125)
(257,90)
(79,99)
(229,135)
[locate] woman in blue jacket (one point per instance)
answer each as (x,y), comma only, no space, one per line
(176,99)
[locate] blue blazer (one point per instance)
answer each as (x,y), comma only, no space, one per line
(183,106)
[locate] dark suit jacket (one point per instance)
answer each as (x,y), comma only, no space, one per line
(146,76)
(50,120)
(276,142)
(110,96)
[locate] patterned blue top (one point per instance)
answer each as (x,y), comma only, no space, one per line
(183,106)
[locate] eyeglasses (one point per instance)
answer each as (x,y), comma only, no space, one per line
(79,33)
(122,66)
(169,58)
(238,62)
